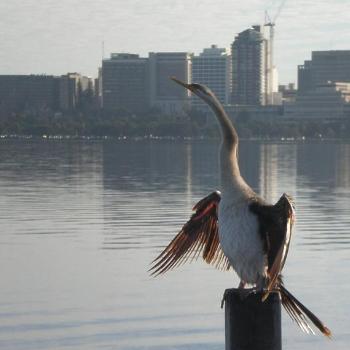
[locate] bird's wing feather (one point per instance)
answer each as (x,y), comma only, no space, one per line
(276,223)
(299,312)
(198,235)
(285,215)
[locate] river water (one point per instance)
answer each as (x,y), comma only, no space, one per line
(81,221)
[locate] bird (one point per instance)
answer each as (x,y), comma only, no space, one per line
(235,228)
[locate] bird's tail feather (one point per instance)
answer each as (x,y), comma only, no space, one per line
(300,314)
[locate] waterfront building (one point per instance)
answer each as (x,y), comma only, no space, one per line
(42,92)
(324,66)
(98,88)
(71,88)
(288,92)
(213,67)
(254,78)
(327,102)
(169,97)
(125,83)
(248,74)
(28,92)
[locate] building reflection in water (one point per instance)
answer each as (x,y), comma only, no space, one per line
(268,171)
(156,183)
(192,168)
(317,164)
(189,200)
(342,169)
(277,170)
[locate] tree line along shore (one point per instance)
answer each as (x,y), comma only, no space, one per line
(95,123)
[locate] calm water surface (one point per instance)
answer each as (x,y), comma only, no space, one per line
(80,223)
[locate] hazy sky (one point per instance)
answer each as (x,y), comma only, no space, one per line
(57,36)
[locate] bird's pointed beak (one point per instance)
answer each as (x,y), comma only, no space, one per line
(187,86)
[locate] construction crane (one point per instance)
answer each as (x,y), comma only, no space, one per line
(271,23)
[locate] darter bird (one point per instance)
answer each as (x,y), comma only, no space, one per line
(236,228)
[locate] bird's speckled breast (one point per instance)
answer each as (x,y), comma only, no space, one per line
(240,240)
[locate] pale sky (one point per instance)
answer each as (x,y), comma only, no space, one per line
(59,36)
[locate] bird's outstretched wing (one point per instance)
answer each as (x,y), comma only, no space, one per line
(276,223)
(198,235)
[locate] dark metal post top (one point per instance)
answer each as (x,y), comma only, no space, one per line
(250,323)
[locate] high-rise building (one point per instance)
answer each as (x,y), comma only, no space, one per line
(125,83)
(249,81)
(323,67)
(213,67)
(254,78)
(165,94)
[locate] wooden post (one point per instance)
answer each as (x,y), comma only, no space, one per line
(251,324)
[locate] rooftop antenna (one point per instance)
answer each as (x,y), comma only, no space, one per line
(103,49)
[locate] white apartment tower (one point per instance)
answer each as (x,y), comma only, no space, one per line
(213,67)
(254,78)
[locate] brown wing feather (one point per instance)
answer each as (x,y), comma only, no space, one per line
(276,223)
(199,234)
(279,236)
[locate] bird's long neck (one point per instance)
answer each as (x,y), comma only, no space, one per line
(230,175)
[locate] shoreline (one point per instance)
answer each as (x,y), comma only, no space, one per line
(167,138)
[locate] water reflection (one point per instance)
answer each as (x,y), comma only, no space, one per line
(342,171)
(81,222)
(324,164)
(151,174)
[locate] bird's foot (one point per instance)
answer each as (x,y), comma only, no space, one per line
(244,293)
(242,284)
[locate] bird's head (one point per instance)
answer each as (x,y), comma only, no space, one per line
(228,131)
(200,90)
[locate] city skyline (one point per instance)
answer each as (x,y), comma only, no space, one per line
(67,36)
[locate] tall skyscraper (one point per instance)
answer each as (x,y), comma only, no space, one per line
(249,81)
(213,67)
(165,94)
(254,79)
(125,83)
(323,67)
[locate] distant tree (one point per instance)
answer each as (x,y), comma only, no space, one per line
(243,117)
